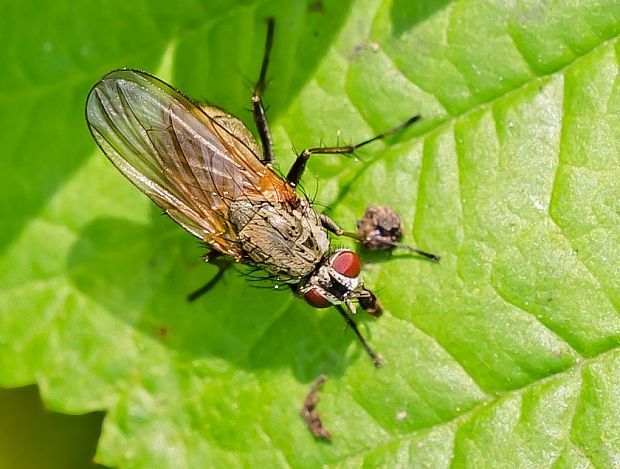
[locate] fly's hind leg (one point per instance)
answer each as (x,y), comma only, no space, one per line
(216,258)
(260,119)
(294,174)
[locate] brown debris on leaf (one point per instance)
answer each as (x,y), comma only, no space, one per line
(380,228)
(311,415)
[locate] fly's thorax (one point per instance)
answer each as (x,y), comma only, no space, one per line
(286,241)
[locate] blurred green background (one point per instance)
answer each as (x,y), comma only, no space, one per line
(34,437)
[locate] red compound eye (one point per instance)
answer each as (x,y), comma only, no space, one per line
(315,299)
(346,263)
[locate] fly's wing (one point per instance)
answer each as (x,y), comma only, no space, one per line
(186,161)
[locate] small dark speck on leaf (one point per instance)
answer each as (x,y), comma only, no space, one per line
(162,332)
(317,6)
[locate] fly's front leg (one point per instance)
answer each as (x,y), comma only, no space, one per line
(294,175)
(373,239)
(376,360)
(216,258)
(260,119)
(380,229)
(331,226)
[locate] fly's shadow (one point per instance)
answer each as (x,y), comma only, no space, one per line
(140,274)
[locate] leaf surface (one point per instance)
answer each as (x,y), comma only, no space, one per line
(506,353)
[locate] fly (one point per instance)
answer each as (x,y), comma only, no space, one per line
(204,169)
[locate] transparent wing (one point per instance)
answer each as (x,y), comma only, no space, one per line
(178,154)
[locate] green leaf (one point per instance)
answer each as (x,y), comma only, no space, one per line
(504,354)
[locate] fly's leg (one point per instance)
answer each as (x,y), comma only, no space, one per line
(260,119)
(294,175)
(380,229)
(395,244)
(376,360)
(332,226)
(207,286)
(215,258)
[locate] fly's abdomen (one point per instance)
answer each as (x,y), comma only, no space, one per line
(288,243)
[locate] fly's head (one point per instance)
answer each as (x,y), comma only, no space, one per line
(337,281)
